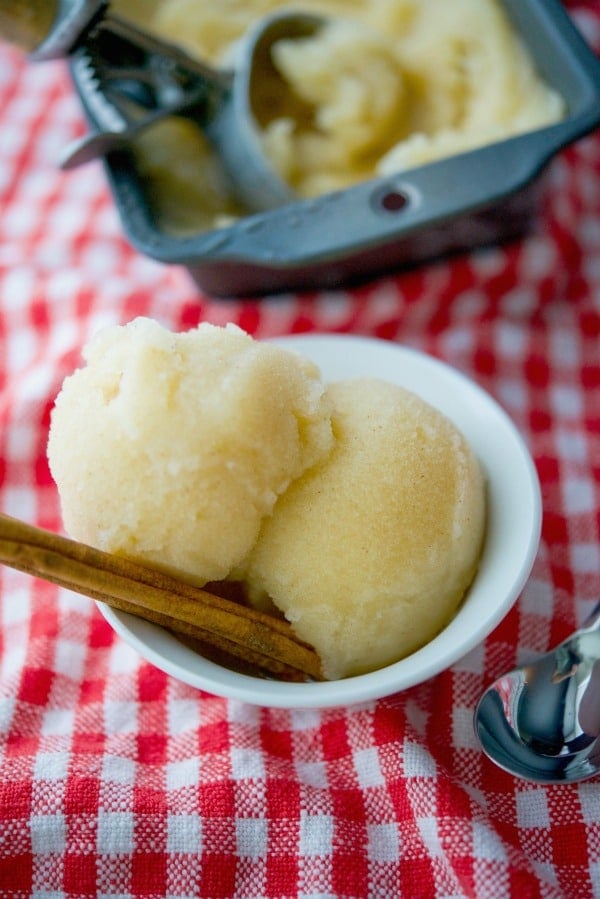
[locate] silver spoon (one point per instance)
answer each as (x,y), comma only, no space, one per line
(541,721)
(119,63)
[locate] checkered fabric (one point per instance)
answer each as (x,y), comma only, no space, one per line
(117,780)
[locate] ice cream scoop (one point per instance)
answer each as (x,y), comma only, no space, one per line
(132,79)
(541,721)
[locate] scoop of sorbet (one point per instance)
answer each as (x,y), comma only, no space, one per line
(172,448)
(370,552)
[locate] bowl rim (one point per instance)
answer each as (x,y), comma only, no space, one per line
(509,552)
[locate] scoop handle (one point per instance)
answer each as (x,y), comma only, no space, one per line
(25,23)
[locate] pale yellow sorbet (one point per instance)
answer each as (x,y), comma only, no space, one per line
(370,552)
(392,84)
(172,448)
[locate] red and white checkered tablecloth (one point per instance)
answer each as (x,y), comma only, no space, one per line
(116,780)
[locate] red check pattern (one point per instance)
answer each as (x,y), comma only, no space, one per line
(118,781)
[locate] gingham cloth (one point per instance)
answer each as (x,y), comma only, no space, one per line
(116,780)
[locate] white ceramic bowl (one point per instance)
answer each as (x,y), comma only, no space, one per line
(513,531)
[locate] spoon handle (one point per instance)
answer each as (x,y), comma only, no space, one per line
(592,622)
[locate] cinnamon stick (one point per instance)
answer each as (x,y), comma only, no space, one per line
(257,639)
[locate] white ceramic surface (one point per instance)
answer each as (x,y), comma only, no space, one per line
(513,532)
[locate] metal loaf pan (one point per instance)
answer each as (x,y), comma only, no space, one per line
(476,198)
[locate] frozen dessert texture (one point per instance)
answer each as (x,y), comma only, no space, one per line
(354,95)
(371,551)
(387,86)
(354,509)
(172,448)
